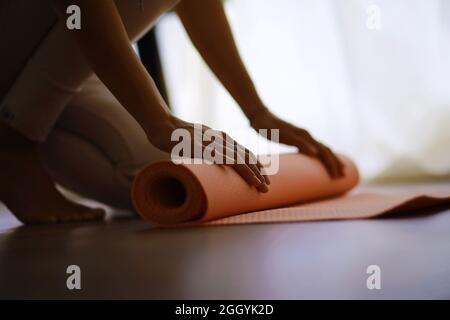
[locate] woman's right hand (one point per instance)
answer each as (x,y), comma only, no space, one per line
(230,152)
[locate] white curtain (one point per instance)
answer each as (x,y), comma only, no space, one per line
(369,78)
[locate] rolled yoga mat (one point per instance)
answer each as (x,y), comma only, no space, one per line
(165,193)
(169,194)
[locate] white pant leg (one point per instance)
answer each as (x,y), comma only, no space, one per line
(96,147)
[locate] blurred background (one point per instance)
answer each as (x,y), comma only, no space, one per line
(369,78)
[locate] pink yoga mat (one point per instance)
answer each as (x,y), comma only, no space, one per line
(168,194)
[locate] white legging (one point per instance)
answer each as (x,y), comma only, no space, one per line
(96,147)
(49,93)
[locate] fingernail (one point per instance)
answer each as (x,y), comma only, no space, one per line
(263,188)
(257,180)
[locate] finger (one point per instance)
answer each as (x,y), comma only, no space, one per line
(263,188)
(219,148)
(328,159)
(339,160)
(243,157)
(337,164)
(239,155)
(266,177)
(219,157)
(257,172)
(340,164)
(227,145)
(254,160)
(235,146)
(324,159)
(247,174)
(241,151)
(251,161)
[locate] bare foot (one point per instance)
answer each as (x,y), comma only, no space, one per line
(27,189)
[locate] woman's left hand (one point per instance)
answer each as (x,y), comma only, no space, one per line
(300,138)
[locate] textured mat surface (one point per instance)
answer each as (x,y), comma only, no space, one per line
(352,206)
(169,194)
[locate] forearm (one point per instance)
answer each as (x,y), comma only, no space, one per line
(104,43)
(206,23)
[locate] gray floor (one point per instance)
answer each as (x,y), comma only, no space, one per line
(129,259)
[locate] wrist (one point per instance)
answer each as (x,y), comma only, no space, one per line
(158,124)
(254,114)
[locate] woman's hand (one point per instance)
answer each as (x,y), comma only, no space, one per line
(291,135)
(211,34)
(230,152)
